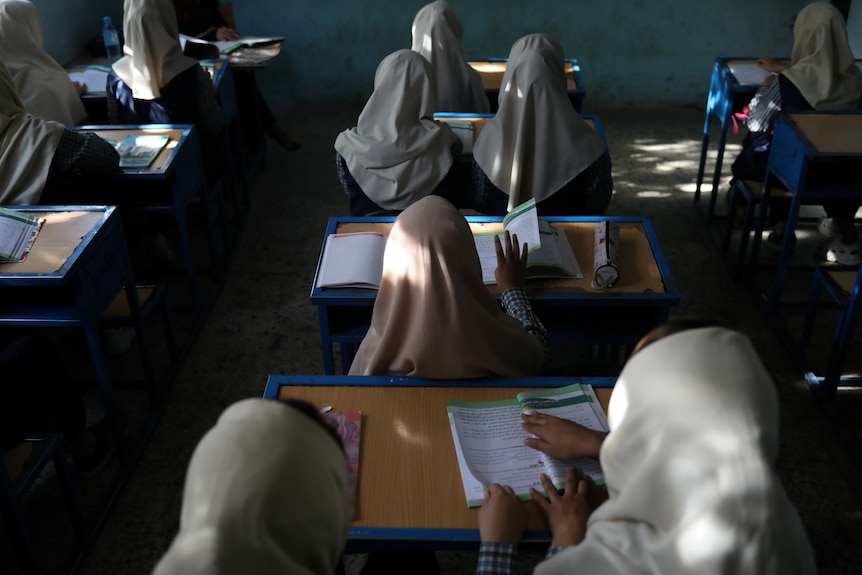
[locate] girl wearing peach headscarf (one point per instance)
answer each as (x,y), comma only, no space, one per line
(433,316)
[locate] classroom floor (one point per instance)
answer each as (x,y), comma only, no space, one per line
(262,323)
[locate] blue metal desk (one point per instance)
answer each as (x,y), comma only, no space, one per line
(491,71)
(407,448)
(171,183)
(726,94)
(800,140)
(76,267)
(573,313)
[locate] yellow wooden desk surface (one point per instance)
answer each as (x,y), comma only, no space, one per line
(832,133)
(479,122)
(119,134)
(408,471)
(492,73)
(639,272)
(58,238)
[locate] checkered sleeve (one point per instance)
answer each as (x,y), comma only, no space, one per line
(85,153)
(209,111)
(517,305)
(764,107)
(495,558)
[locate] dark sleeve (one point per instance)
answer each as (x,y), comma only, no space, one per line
(83,153)
(209,112)
(792,99)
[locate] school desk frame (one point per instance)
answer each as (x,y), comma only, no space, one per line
(791,155)
(169,187)
(381,538)
(345,315)
(576,96)
(76,293)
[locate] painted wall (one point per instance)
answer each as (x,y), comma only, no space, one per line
(67,25)
(632,52)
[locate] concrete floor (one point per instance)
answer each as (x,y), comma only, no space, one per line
(262,323)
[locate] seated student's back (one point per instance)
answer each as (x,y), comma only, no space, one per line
(154,83)
(537,146)
(43,85)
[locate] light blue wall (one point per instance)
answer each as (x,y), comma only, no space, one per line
(67,25)
(632,52)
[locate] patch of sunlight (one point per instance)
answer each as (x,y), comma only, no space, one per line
(691,187)
(671,147)
(404,432)
(646,159)
(674,165)
(653,194)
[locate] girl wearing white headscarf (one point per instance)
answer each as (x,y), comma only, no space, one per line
(43,85)
(154,83)
(822,76)
(433,316)
(397,153)
(537,146)
(35,154)
(437,36)
(688,465)
(266,493)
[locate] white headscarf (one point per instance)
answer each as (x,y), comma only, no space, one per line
(822,64)
(397,153)
(536,143)
(27,146)
(433,316)
(688,465)
(43,85)
(266,493)
(153,56)
(437,36)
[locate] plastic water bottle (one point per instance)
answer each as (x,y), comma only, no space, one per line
(112,40)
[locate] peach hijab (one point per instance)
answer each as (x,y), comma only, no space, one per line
(688,464)
(536,143)
(433,316)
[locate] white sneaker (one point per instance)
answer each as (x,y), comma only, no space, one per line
(844,254)
(826,226)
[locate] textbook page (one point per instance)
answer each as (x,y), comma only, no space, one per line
(352,260)
(748,73)
(489,441)
(94,77)
(18,231)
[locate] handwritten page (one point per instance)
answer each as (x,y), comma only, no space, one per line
(95,79)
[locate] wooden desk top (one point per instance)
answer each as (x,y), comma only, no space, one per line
(639,272)
(491,72)
(162,161)
(408,471)
(831,133)
(59,237)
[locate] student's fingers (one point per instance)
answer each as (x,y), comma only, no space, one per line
(498,247)
(516,248)
(572,484)
(537,443)
(540,500)
(549,488)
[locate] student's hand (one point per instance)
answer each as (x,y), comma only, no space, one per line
(567,514)
(80,88)
(225,34)
(561,438)
(502,517)
(511,264)
(771,65)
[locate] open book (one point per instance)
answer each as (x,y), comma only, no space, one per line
(352,260)
(18,231)
(489,440)
(348,425)
(203,49)
(139,151)
(550,253)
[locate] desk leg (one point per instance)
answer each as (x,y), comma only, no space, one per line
(325,340)
(704,146)
(105,387)
(188,257)
(773,298)
(716,176)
